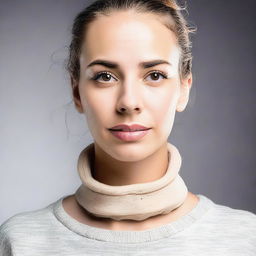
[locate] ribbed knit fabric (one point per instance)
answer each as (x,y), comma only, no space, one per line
(208,229)
(133,236)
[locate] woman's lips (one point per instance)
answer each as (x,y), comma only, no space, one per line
(129,136)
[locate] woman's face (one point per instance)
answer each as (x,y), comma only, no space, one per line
(149,95)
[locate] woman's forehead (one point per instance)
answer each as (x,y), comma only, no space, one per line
(128,35)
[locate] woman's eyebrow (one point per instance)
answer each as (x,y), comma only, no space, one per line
(145,64)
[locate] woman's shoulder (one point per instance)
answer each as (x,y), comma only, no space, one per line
(24,230)
(26,222)
(235,214)
(230,219)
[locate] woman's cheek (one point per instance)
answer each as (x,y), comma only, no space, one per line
(98,109)
(166,112)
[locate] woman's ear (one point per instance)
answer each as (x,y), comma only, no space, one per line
(185,86)
(76,95)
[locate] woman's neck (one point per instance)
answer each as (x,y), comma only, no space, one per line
(111,171)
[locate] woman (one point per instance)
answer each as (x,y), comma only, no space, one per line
(130,67)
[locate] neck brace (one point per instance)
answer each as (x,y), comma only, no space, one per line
(135,201)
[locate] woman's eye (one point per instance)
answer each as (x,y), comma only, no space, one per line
(104,75)
(155,75)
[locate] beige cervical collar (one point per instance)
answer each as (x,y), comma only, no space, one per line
(136,201)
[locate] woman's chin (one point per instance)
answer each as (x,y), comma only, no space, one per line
(130,153)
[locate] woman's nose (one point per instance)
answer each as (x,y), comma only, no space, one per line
(129,98)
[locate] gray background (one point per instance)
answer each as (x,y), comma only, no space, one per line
(41,134)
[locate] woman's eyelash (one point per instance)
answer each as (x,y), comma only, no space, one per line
(159,72)
(97,76)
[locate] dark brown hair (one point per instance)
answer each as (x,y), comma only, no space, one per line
(164,8)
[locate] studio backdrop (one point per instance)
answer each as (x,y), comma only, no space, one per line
(41,133)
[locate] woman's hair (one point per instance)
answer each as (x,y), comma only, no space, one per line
(167,9)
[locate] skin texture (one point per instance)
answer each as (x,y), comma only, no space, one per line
(128,38)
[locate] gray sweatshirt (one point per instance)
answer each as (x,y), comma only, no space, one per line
(209,229)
